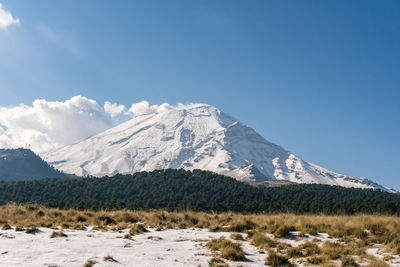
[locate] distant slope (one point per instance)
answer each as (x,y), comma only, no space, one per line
(23,164)
(197,136)
(197,190)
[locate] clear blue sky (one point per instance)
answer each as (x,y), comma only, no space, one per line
(320,78)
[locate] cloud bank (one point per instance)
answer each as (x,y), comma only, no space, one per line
(47,125)
(6,18)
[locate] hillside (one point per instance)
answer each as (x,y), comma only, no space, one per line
(198,191)
(23,164)
(197,136)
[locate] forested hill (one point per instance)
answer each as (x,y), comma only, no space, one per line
(197,190)
(23,164)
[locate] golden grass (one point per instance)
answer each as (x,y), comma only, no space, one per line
(283,231)
(354,233)
(377,263)
(228,250)
(274,259)
(357,226)
(57,234)
(90,263)
(109,258)
(262,242)
(237,236)
(217,262)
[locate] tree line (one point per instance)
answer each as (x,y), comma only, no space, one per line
(196,190)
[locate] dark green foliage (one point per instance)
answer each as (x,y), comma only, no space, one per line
(23,164)
(196,190)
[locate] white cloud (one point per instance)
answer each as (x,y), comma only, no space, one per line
(144,107)
(115,109)
(47,125)
(6,18)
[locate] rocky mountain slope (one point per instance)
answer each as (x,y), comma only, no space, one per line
(23,164)
(197,136)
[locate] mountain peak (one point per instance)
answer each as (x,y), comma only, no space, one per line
(194,136)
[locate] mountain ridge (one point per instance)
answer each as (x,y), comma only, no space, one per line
(197,136)
(24,164)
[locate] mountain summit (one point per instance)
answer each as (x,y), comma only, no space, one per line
(198,136)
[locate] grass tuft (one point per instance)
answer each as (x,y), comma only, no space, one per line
(90,263)
(262,242)
(217,262)
(283,231)
(348,261)
(237,236)
(228,249)
(274,259)
(109,258)
(57,234)
(31,230)
(137,229)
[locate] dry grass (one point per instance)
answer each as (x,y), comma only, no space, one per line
(348,261)
(310,249)
(109,258)
(262,242)
(137,229)
(358,226)
(31,230)
(334,250)
(275,259)
(228,249)
(237,236)
(283,231)
(217,262)
(377,263)
(90,263)
(57,234)
(354,233)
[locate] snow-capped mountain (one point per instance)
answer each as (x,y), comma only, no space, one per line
(198,136)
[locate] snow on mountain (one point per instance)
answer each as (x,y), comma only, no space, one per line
(197,136)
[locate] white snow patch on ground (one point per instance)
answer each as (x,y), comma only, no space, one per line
(378,253)
(182,247)
(294,240)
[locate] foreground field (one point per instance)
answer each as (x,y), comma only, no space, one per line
(36,236)
(181,247)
